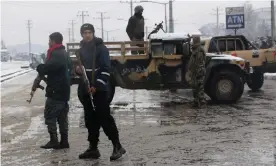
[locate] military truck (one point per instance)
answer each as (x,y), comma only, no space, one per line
(261,60)
(163,66)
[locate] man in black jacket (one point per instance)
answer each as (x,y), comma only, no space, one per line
(135,27)
(57,68)
(93,49)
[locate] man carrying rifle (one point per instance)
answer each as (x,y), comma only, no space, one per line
(94,57)
(56,68)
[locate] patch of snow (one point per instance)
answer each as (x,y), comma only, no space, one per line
(14,74)
(224,56)
(35,128)
(169,36)
(13,66)
(270,76)
(18,83)
(8,129)
(15,110)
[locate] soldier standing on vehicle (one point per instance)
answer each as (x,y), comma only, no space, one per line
(56,110)
(197,72)
(135,27)
(93,51)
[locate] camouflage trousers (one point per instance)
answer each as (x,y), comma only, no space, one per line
(56,112)
(198,90)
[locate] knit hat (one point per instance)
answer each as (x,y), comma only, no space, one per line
(87,26)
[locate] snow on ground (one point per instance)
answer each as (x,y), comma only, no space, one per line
(270,76)
(13,66)
(17,83)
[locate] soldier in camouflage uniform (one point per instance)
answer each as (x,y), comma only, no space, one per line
(197,72)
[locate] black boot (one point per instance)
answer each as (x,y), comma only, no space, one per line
(92,152)
(118,150)
(64,144)
(53,143)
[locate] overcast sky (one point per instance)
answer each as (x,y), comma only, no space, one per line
(49,16)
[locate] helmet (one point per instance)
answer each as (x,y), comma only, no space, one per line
(138,9)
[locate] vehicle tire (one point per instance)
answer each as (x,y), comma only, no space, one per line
(111,92)
(255,81)
(227,87)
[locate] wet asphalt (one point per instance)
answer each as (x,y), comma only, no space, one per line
(156,128)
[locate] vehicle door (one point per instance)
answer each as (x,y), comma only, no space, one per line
(172,66)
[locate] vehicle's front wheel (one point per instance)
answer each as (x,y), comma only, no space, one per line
(226,87)
(255,81)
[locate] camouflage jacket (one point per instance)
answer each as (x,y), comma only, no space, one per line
(196,64)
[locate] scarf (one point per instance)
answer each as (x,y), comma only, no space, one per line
(51,49)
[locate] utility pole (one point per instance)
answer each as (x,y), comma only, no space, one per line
(166,22)
(146,32)
(102,20)
(217,16)
(273,22)
(171,24)
(107,36)
(83,14)
(131,5)
(69,34)
(29,32)
(72,24)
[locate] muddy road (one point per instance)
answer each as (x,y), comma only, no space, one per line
(156,128)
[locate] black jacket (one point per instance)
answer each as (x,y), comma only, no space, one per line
(135,27)
(102,64)
(57,68)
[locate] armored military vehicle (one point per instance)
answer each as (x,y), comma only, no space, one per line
(261,60)
(163,66)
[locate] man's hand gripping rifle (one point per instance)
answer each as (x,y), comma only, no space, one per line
(85,79)
(157,28)
(36,84)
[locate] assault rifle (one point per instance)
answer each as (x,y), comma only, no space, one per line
(87,84)
(157,28)
(36,84)
(85,78)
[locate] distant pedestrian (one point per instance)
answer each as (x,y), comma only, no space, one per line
(198,71)
(135,28)
(57,68)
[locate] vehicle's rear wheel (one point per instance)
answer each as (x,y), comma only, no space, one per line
(226,87)
(111,92)
(255,81)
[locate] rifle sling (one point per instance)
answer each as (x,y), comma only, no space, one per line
(93,63)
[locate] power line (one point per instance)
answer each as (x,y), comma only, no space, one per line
(130,4)
(102,19)
(69,34)
(217,10)
(72,22)
(83,14)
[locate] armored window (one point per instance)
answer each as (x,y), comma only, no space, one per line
(213,46)
(231,45)
(222,45)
